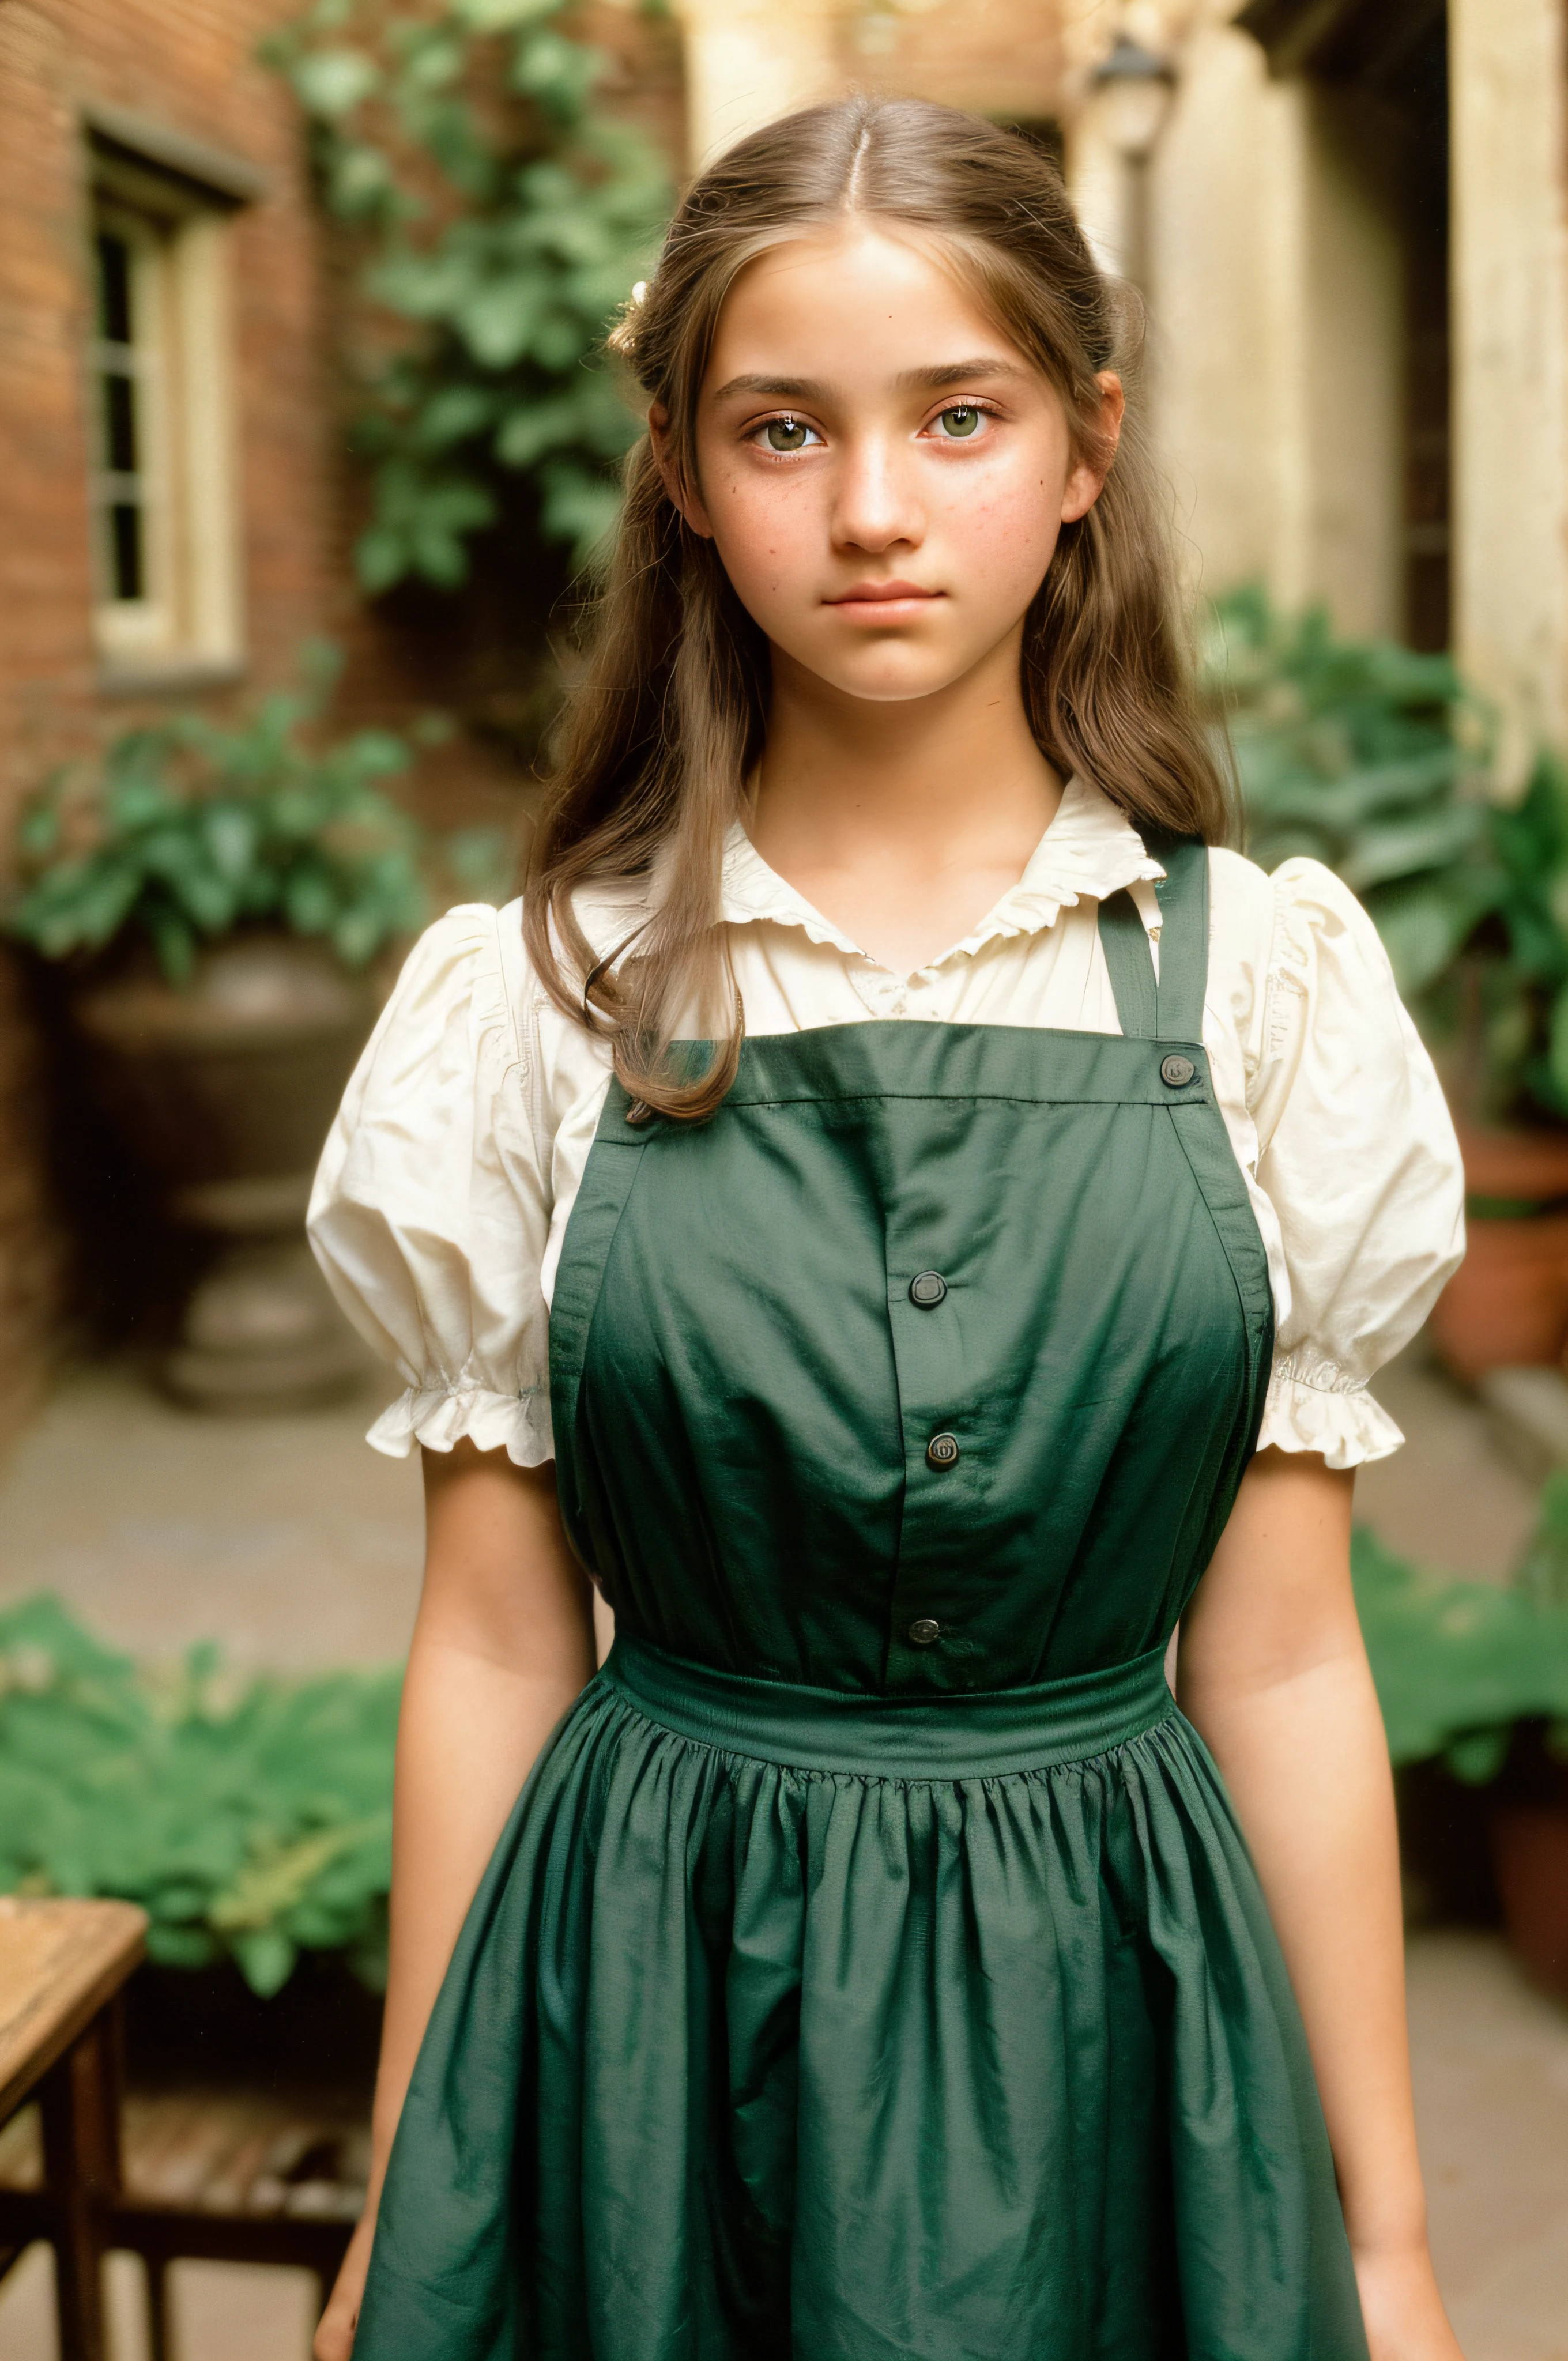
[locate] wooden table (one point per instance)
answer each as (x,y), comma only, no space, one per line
(232,2173)
(63,1967)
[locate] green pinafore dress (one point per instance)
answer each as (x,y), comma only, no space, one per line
(872,1968)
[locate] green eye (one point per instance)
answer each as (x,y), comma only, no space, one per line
(960,421)
(785,435)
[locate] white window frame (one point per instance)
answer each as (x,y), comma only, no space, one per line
(181,364)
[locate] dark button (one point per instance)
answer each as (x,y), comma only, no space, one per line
(926,1288)
(1177,1071)
(942,1450)
(924,1629)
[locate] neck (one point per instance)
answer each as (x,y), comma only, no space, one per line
(947,779)
(903,821)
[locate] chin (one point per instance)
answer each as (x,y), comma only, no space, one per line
(898,685)
(889,675)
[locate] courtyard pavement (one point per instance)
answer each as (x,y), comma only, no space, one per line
(292,1545)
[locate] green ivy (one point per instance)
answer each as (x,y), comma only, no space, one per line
(502,219)
(250,1818)
(187,828)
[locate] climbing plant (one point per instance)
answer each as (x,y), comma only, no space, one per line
(499,217)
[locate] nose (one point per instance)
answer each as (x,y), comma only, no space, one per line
(876,501)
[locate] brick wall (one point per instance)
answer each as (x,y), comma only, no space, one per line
(189,67)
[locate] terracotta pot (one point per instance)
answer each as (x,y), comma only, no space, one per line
(1507,1306)
(1529,1167)
(224,1091)
(1530,1849)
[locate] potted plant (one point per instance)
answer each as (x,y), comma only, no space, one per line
(1373,759)
(1508,1303)
(1474,1676)
(214,899)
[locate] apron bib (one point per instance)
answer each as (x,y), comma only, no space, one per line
(873,1968)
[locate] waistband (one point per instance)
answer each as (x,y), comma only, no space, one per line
(977,1733)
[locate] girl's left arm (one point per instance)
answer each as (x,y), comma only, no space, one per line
(1272,1671)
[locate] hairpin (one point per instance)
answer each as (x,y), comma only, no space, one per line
(622,337)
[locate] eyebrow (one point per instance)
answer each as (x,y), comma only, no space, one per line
(933,380)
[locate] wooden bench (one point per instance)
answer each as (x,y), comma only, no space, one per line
(62,1968)
(223,2173)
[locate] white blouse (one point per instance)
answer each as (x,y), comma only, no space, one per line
(446,1184)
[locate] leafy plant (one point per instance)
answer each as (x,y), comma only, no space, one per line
(502,220)
(250,1819)
(1364,757)
(1542,1572)
(1458,1664)
(187,828)
(1523,968)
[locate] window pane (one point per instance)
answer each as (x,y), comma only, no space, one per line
(114,288)
(119,423)
(124,550)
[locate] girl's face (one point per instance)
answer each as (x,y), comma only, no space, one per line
(882,472)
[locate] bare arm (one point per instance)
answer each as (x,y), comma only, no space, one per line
(1273,1672)
(503,1642)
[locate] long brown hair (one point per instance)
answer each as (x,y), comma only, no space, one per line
(668,720)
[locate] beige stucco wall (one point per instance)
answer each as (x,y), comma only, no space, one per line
(1273,275)
(1510,363)
(748,60)
(1276,353)
(1352,551)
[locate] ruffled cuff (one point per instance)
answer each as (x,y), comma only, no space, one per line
(439,1416)
(1312,1407)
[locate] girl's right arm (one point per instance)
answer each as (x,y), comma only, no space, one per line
(503,1642)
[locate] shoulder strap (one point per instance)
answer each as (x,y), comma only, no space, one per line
(1127,949)
(1172,1011)
(605,1185)
(1183,940)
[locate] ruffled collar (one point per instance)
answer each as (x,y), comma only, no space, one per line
(1090,850)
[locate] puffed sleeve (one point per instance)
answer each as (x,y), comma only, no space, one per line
(430,1207)
(1357,1156)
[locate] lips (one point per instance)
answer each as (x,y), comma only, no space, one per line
(881,594)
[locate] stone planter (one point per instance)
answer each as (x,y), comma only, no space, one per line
(222,1093)
(1507,1306)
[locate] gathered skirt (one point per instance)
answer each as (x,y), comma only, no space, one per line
(789,2024)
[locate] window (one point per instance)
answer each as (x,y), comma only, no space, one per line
(127,484)
(163,486)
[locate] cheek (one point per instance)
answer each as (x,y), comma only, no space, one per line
(765,531)
(1004,533)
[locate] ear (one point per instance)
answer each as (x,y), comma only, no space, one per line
(1086,481)
(681,495)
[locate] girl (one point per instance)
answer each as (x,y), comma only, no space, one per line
(939,1216)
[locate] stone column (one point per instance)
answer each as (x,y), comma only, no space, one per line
(1276,328)
(1511,365)
(749,60)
